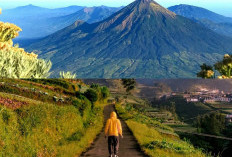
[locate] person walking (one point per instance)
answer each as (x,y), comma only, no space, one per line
(113,129)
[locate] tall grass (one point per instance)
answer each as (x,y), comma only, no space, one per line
(40,129)
(45,129)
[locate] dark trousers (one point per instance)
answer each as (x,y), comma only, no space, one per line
(113,144)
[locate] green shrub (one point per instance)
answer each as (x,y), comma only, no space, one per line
(79,95)
(92,95)
(57,82)
(105,92)
(129,84)
(123,112)
(76,103)
(75,136)
(95,86)
(179,147)
(213,123)
(5,116)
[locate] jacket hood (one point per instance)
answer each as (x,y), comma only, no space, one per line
(113,115)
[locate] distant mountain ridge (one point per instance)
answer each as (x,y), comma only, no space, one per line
(40,12)
(142,40)
(87,14)
(207,18)
(38,22)
(194,12)
(32,19)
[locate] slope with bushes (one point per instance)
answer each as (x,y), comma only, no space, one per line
(155,138)
(48,117)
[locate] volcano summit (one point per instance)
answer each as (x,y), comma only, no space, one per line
(142,40)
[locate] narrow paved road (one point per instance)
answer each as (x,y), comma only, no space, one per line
(128,145)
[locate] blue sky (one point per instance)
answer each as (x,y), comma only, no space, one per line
(220,6)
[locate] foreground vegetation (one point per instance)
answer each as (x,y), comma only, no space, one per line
(155,139)
(15,62)
(224,67)
(49,117)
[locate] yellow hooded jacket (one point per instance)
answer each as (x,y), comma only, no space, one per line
(113,126)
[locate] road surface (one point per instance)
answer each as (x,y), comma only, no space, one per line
(128,145)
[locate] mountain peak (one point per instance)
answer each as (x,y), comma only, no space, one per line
(145,1)
(134,13)
(142,40)
(30,6)
(152,7)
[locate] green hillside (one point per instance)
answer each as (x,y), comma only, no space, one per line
(48,117)
(155,138)
(57,117)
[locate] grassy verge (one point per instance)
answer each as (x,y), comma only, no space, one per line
(46,130)
(156,139)
(92,132)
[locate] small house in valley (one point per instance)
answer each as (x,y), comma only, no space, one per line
(229,118)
